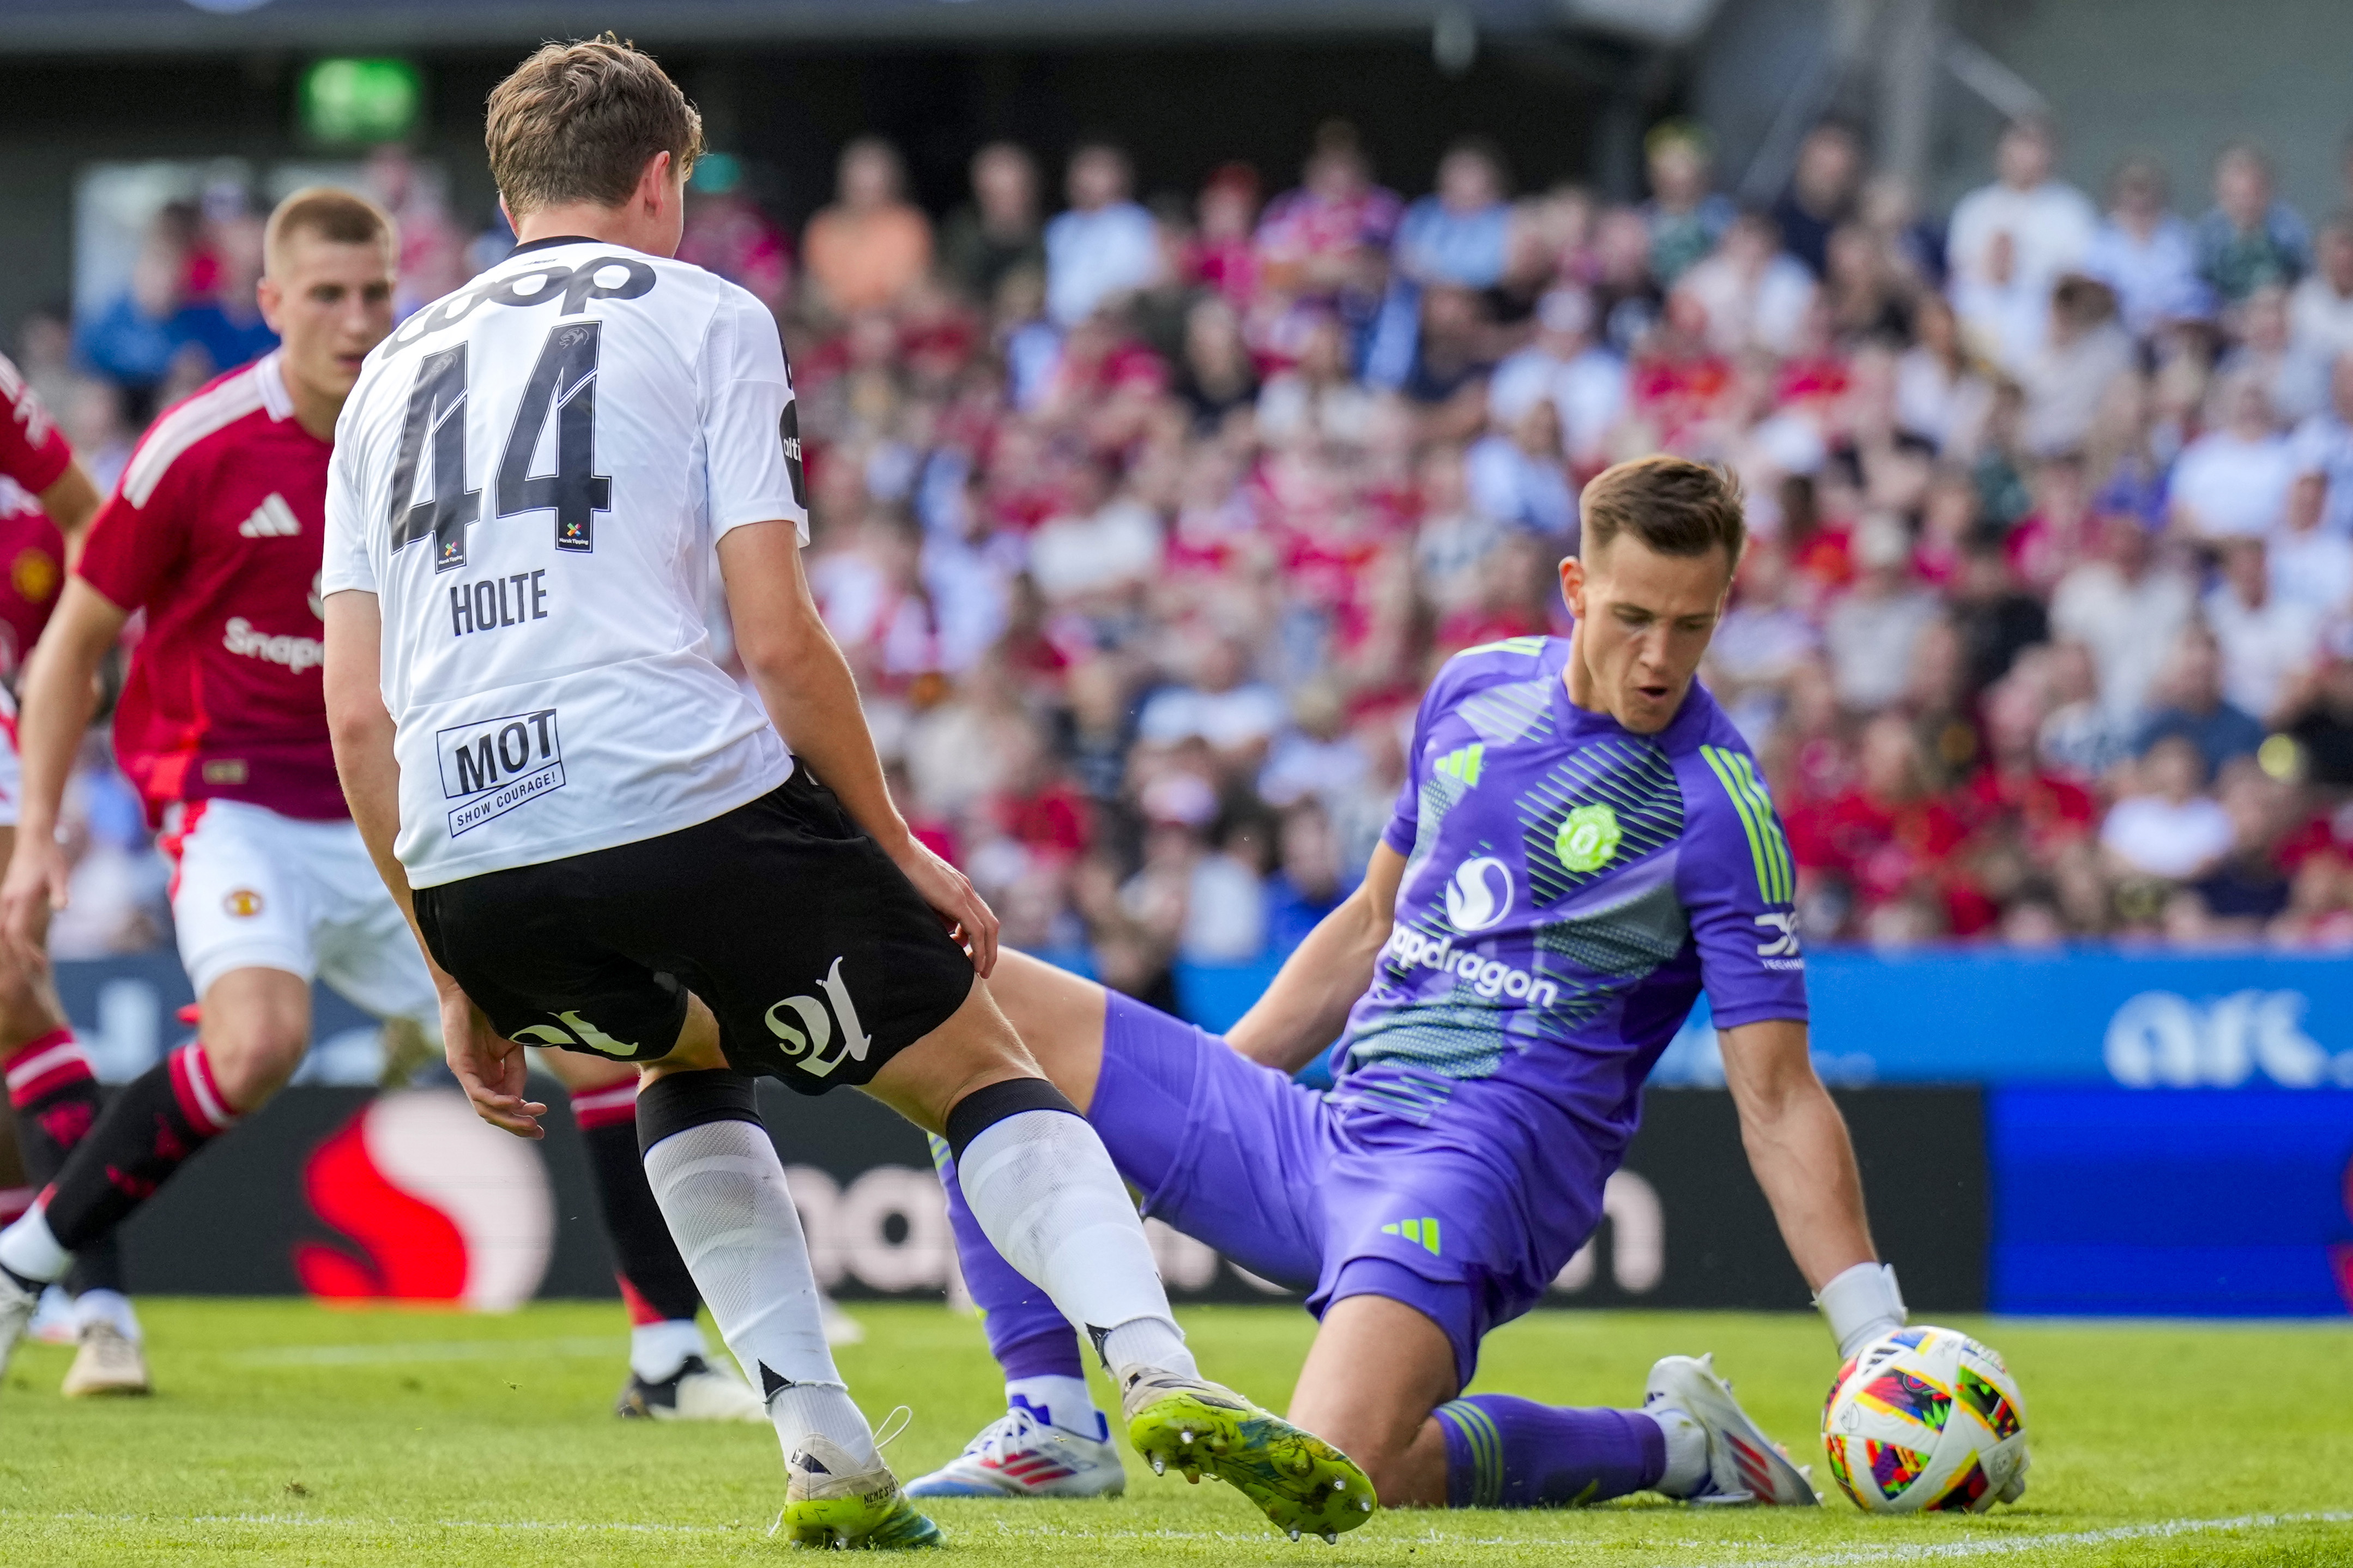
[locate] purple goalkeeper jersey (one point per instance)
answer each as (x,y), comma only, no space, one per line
(1570,887)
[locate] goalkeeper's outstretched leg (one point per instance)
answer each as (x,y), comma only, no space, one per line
(1250,1162)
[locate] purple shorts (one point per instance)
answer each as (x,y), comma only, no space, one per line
(1306,1191)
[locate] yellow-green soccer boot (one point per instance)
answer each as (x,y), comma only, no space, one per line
(829,1502)
(1299,1481)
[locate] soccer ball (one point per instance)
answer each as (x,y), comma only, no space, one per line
(1927,1420)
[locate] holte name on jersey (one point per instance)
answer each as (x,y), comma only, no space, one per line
(494,765)
(496,602)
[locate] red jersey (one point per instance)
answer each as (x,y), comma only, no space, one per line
(217,532)
(32,454)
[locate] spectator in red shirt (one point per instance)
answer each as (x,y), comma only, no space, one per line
(1224,256)
(1890,838)
(2014,793)
(1328,237)
(2054,536)
(1038,806)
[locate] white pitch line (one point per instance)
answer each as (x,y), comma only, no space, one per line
(1776,1556)
(1908,1552)
(432,1350)
(314,1522)
(2003,1546)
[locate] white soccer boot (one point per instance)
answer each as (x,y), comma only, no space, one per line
(828,1503)
(55,1323)
(17,1306)
(110,1362)
(1744,1465)
(1017,1454)
(697,1391)
(2016,1488)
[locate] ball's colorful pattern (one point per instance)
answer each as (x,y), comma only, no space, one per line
(1893,1469)
(1924,1419)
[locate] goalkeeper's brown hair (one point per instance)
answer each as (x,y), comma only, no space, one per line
(1673,505)
(576,122)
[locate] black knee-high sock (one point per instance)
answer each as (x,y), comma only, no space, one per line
(149,1130)
(55,1097)
(654,1277)
(57,1101)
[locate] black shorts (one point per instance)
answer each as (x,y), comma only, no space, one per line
(817,954)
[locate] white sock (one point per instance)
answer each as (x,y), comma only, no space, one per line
(1058,1401)
(1149,1342)
(823,1410)
(1045,1191)
(1687,1469)
(656,1351)
(111,1306)
(721,1190)
(29,1251)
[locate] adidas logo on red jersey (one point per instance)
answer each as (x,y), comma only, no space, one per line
(273,518)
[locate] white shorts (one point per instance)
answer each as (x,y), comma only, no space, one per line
(254,889)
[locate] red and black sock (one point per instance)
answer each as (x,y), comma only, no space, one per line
(55,1097)
(57,1101)
(147,1130)
(654,1280)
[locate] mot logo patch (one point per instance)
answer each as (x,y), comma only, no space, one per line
(494,765)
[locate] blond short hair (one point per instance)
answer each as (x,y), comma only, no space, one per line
(331,214)
(576,122)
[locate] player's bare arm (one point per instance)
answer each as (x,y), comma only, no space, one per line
(58,695)
(72,499)
(1307,1005)
(492,1070)
(1797,1145)
(810,694)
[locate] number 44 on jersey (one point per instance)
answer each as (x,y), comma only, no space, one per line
(563,385)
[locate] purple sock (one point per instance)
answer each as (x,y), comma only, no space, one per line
(1027,1332)
(1054,1353)
(1502,1452)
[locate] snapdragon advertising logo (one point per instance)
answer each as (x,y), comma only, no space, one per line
(430,1204)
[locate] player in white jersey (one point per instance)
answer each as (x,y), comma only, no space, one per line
(608,847)
(215,534)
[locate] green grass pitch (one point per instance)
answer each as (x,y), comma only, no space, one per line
(288,1434)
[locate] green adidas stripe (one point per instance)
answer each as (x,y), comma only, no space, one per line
(1776,881)
(1486,1446)
(1491,1474)
(1463,762)
(1777,844)
(1529,645)
(1718,766)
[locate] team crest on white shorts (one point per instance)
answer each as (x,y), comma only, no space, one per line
(242,902)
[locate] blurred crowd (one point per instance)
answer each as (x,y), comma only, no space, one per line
(1144,523)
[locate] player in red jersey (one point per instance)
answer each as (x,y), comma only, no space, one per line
(47,501)
(215,531)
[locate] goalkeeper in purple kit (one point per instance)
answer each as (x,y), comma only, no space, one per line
(1583,845)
